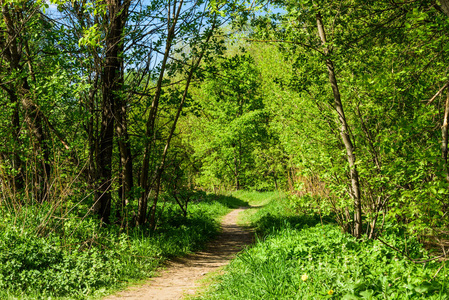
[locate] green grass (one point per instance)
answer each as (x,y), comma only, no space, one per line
(297,257)
(256,200)
(44,257)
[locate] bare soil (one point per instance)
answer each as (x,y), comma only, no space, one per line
(181,275)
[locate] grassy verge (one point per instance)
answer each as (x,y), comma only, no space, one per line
(43,256)
(297,257)
(256,200)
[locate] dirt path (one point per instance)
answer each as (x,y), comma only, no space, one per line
(182,274)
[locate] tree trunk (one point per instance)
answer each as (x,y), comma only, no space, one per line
(161,166)
(92,137)
(126,163)
(445,6)
(236,169)
(444,133)
(144,181)
(343,132)
(160,169)
(112,84)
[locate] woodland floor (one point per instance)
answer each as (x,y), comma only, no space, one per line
(182,275)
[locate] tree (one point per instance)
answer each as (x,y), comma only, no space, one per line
(112,106)
(232,124)
(381,84)
(120,86)
(21,80)
(344,130)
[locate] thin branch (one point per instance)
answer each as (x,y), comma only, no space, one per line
(437,94)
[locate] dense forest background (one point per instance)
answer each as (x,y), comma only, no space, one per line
(109,108)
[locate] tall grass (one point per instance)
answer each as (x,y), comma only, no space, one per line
(305,257)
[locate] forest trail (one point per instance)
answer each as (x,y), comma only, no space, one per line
(181,275)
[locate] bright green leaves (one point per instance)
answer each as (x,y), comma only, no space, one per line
(91,37)
(233,121)
(387,60)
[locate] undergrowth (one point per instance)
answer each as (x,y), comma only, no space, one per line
(303,257)
(43,256)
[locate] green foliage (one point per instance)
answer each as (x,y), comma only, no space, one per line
(260,116)
(73,257)
(298,257)
(231,126)
(397,137)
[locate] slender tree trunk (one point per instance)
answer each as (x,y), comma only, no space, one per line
(237,167)
(105,148)
(126,163)
(444,133)
(161,166)
(91,136)
(236,172)
(144,181)
(344,132)
(160,169)
(444,143)
(82,18)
